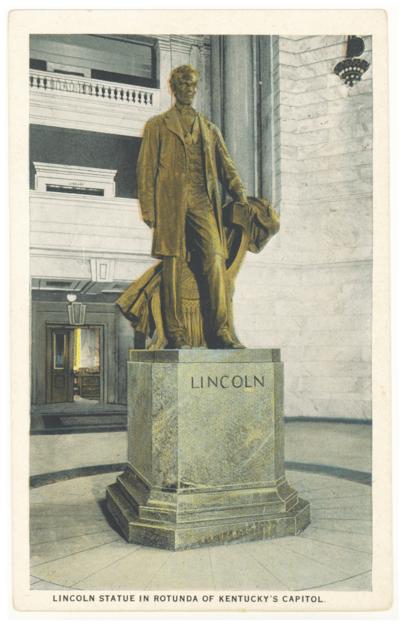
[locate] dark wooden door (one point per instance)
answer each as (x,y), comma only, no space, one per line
(60,365)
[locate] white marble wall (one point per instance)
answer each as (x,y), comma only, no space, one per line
(309,292)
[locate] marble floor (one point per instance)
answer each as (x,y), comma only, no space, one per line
(73,545)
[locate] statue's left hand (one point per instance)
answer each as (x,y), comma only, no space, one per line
(245,203)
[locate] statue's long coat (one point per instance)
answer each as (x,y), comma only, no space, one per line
(162,179)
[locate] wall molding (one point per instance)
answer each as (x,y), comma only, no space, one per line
(38,197)
(74,176)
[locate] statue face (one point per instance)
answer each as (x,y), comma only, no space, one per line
(185,89)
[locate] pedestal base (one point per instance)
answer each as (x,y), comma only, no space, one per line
(201,532)
(205,451)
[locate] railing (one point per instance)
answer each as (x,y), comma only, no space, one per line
(97,89)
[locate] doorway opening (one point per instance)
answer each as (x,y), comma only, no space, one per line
(86,366)
(74,365)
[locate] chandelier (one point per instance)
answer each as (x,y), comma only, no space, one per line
(352,68)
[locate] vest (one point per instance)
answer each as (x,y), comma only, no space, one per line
(195,177)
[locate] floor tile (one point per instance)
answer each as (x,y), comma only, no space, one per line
(350,525)
(42,553)
(50,453)
(46,535)
(185,569)
(292,570)
(362,529)
(70,570)
(349,540)
(239,567)
(44,585)
(134,570)
(34,580)
(342,513)
(344,559)
(350,501)
(342,444)
(362,582)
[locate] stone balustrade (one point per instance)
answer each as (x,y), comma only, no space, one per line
(96,89)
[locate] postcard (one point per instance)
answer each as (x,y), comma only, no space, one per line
(200,311)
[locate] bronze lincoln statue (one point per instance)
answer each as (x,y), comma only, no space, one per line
(185,301)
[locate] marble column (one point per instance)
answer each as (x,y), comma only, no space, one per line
(269,155)
(216,79)
(165,67)
(239,106)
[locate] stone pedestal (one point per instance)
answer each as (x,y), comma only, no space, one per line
(205,450)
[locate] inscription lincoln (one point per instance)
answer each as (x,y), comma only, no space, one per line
(227,381)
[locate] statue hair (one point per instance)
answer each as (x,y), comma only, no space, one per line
(178,72)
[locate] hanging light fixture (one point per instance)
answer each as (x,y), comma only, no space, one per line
(352,68)
(76,311)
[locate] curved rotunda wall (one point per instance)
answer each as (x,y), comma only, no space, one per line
(309,292)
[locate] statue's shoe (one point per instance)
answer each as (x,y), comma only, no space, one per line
(177,342)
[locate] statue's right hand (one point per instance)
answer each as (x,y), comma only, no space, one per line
(150,223)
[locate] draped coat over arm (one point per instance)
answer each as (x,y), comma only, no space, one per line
(162,171)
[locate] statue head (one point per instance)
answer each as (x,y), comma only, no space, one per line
(183,81)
